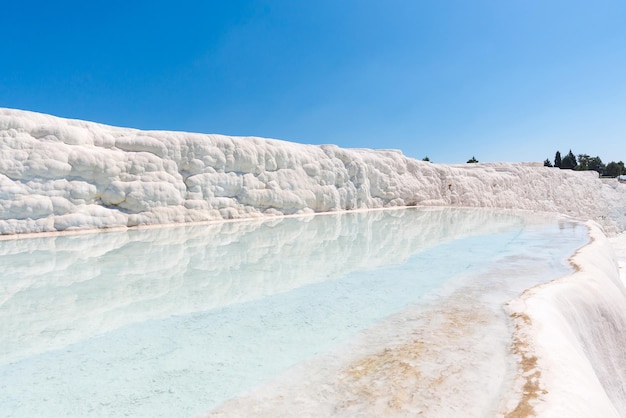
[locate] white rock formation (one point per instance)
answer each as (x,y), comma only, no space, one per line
(60,174)
(570,334)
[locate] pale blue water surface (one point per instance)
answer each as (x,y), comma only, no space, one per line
(173,321)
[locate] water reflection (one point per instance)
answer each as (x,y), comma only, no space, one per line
(56,290)
(173,321)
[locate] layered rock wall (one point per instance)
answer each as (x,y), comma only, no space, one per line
(60,174)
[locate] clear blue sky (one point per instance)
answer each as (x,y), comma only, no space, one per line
(502,80)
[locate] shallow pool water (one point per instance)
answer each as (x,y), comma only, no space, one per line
(174,321)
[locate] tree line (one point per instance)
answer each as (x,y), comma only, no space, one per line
(584,162)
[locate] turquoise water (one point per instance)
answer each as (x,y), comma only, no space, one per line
(173,321)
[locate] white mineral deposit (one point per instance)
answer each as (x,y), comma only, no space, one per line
(497,293)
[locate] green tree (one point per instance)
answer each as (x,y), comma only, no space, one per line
(596,164)
(569,161)
(426,158)
(547,163)
(614,169)
(583,162)
(472,160)
(557,159)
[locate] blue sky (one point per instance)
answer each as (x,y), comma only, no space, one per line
(502,80)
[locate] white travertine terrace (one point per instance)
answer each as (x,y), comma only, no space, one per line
(571,334)
(60,174)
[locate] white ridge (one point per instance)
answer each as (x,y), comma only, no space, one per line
(60,174)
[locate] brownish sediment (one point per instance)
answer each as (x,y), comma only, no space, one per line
(528,371)
(406,374)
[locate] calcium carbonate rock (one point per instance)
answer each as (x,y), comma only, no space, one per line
(59,174)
